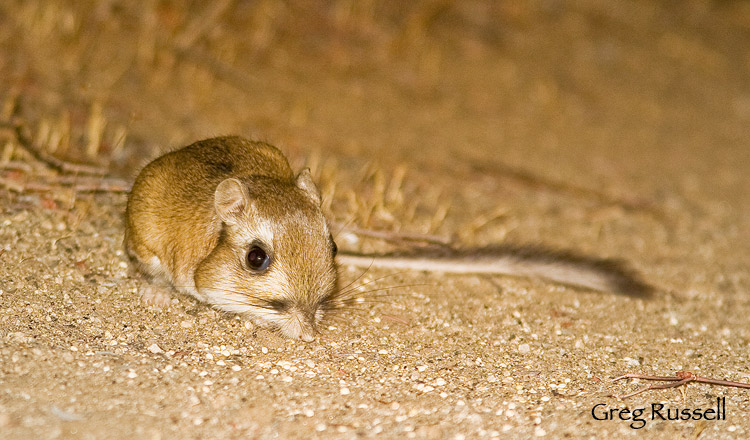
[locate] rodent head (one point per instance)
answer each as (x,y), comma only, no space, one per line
(273,261)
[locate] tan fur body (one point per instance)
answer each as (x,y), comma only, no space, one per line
(176,234)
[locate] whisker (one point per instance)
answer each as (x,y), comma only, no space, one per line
(366,293)
(338,313)
(365,305)
(358,278)
(342,226)
(368,298)
(345,292)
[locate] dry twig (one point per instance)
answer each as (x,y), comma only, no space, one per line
(15,165)
(25,142)
(679,379)
(394,236)
(20,177)
(48,183)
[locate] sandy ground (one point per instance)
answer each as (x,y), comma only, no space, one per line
(617,129)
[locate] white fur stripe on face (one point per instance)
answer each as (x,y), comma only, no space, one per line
(258,229)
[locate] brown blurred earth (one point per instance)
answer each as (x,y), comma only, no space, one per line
(614,128)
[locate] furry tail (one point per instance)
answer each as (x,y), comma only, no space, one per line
(524,261)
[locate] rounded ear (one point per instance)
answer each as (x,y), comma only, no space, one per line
(230,199)
(305,183)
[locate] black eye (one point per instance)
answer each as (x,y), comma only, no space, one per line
(258,259)
(334,248)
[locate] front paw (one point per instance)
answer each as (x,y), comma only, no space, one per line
(154,296)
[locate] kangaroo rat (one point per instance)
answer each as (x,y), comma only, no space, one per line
(226,221)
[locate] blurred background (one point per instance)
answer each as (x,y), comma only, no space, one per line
(613,128)
(444,115)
